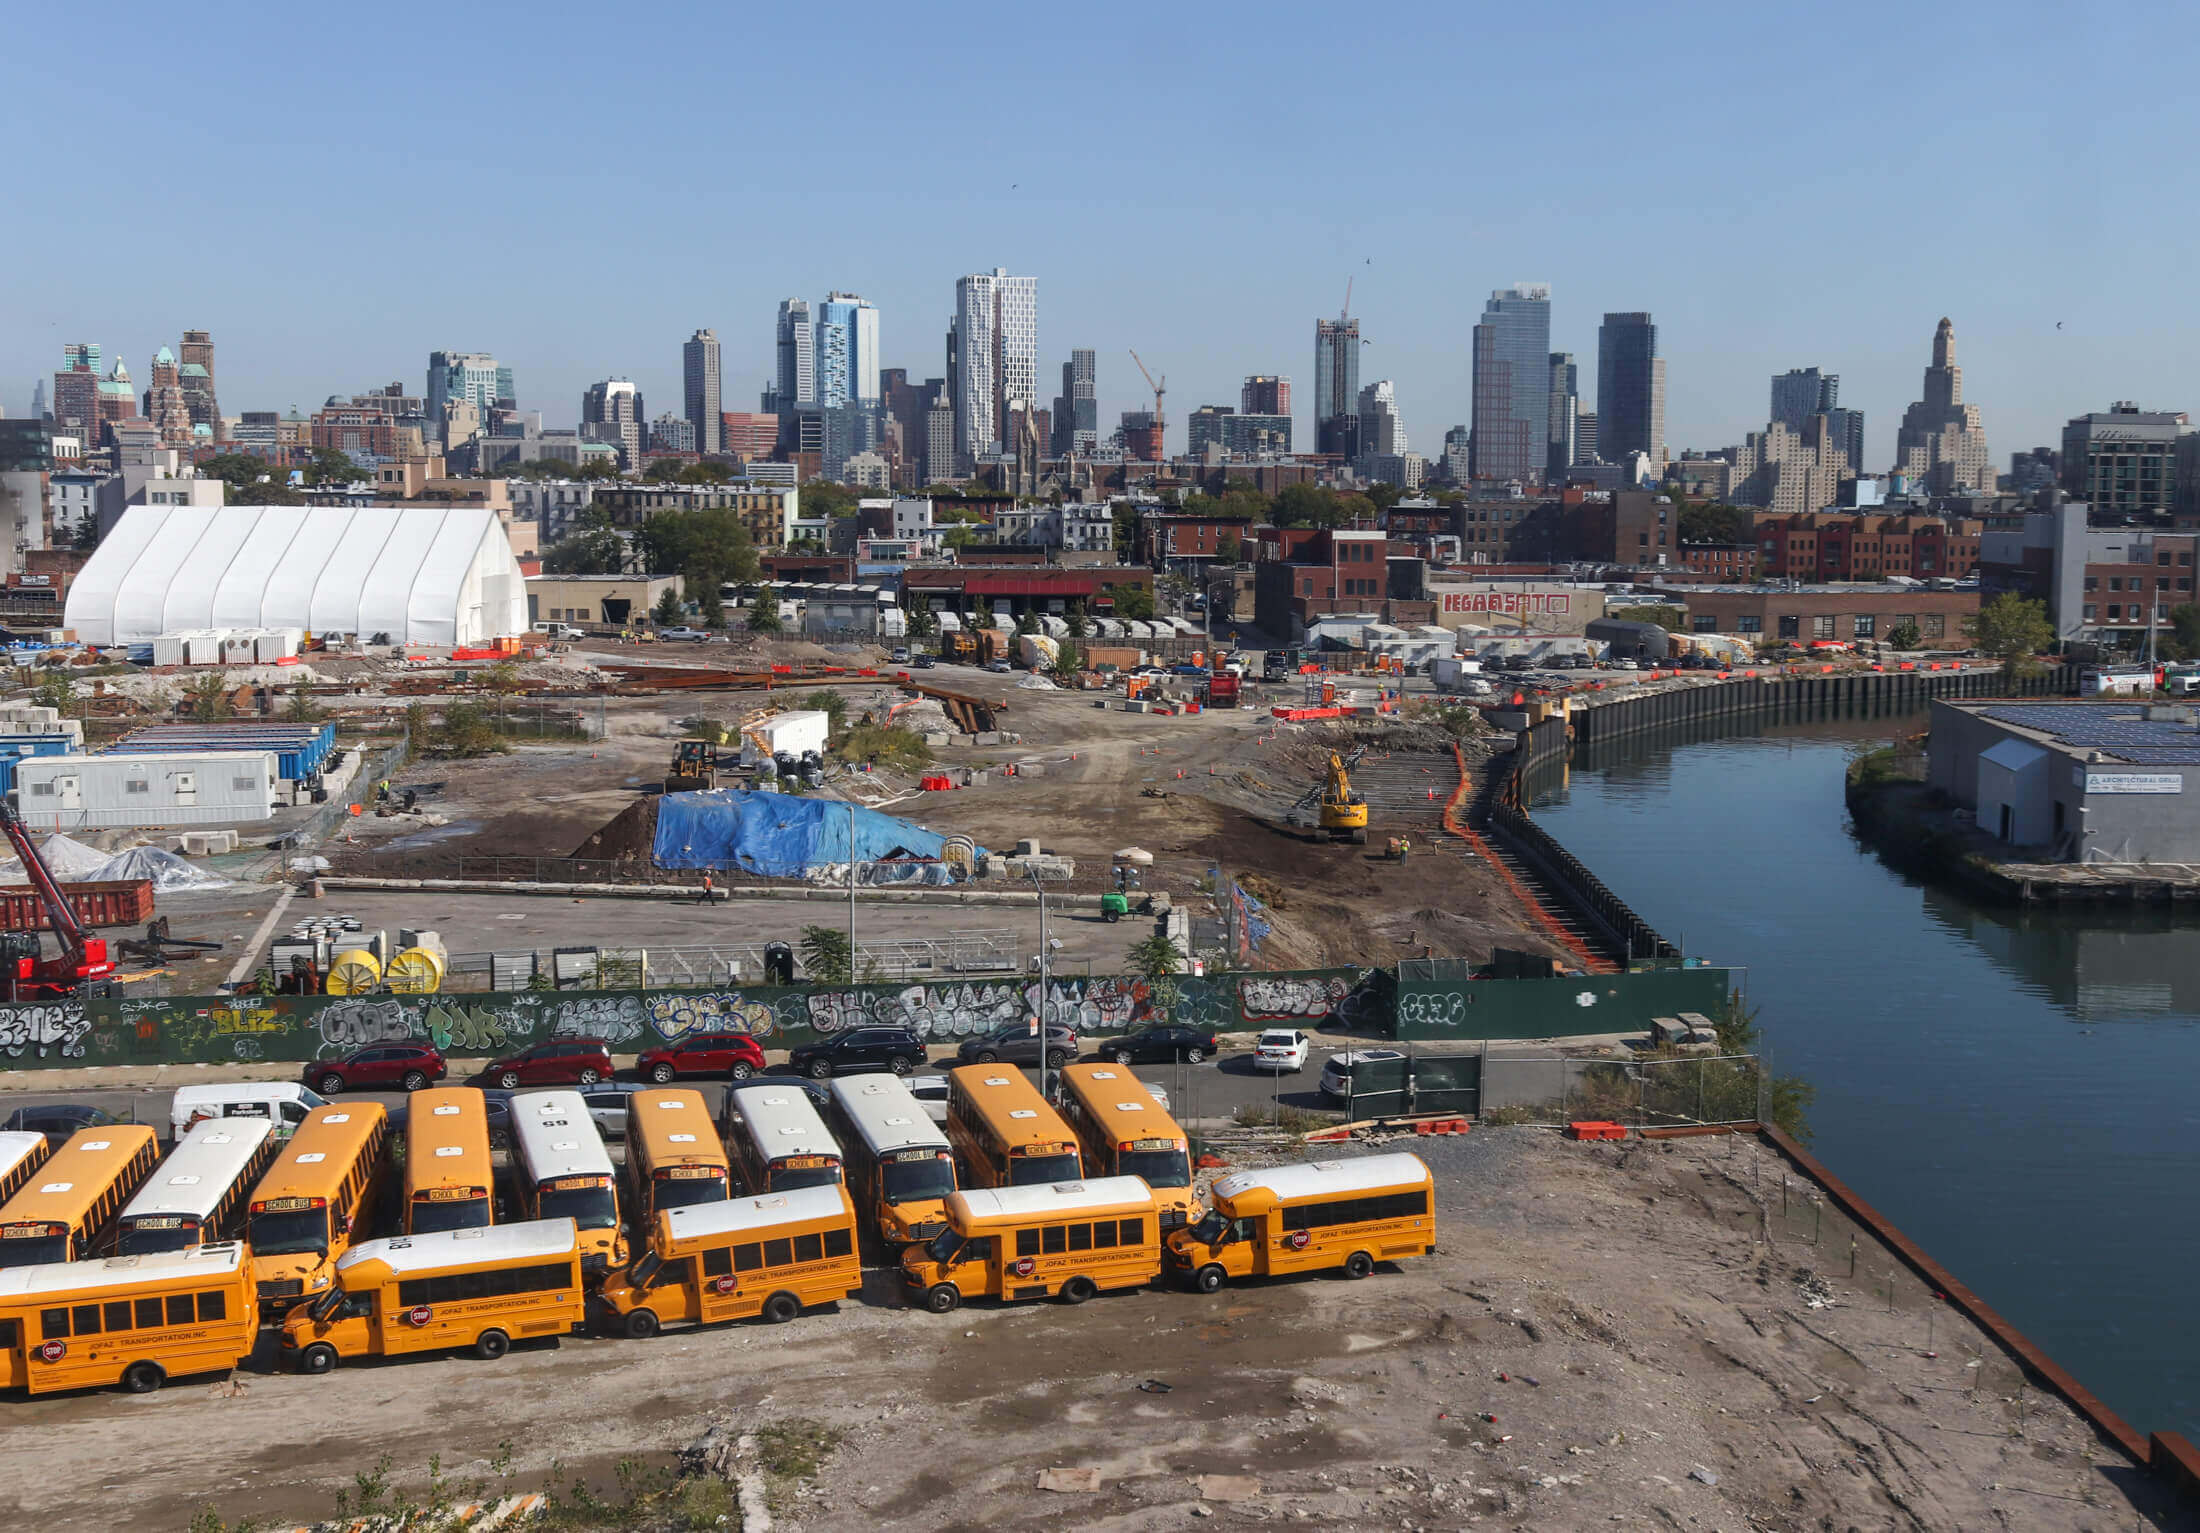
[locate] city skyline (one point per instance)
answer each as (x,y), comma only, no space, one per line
(305,309)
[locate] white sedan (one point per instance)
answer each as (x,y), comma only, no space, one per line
(1281,1049)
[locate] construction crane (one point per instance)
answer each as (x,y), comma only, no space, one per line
(1160,390)
(25,975)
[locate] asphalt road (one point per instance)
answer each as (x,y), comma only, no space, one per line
(1209,1092)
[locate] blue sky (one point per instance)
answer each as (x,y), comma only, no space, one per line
(576,189)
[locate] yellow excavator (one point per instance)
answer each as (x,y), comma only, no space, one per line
(1343,811)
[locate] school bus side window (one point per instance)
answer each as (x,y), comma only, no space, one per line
(87,1320)
(1027,1242)
(148,1314)
(213,1305)
(1103,1235)
(53,1324)
(179,1309)
(1317,1216)
(117,1317)
(1053,1239)
(1134,1231)
(778,1253)
(748,1258)
(809,1248)
(1080,1237)
(839,1243)
(718,1262)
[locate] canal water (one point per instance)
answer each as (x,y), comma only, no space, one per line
(2019,1092)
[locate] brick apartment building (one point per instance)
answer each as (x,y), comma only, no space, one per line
(1162,537)
(1729,563)
(1305,572)
(1847,614)
(1024,588)
(1825,545)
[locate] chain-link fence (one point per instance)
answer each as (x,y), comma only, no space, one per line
(1644,1093)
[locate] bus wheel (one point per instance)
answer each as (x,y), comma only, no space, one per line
(942,1297)
(1077,1290)
(491,1345)
(1209,1278)
(1358,1265)
(642,1324)
(143,1378)
(781,1308)
(318,1358)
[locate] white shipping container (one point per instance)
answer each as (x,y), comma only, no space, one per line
(787,733)
(240,646)
(71,793)
(275,644)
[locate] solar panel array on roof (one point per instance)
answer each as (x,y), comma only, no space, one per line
(2121,732)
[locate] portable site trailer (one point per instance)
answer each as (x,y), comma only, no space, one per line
(14,748)
(240,646)
(274,645)
(72,793)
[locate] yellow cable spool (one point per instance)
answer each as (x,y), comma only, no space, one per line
(415,971)
(355,972)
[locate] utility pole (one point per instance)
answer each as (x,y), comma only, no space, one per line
(1045,1037)
(851,891)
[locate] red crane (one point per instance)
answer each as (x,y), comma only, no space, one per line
(26,975)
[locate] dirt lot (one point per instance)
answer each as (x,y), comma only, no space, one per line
(1659,1343)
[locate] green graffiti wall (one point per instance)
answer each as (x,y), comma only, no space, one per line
(227,1029)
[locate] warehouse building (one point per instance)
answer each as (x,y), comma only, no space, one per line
(442,575)
(2074,782)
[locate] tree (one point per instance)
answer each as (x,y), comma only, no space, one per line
(1309,505)
(1028,622)
(2184,622)
(710,607)
(55,691)
(663,471)
(1126,530)
(821,497)
(1711,522)
(830,702)
(1157,961)
(2010,629)
(826,959)
(709,471)
(922,624)
(667,611)
(709,547)
(591,551)
(596,466)
(1384,495)
(1672,619)
(208,696)
(1065,660)
(86,535)
(303,709)
(328,466)
(1133,603)
(1905,636)
(1075,618)
(1228,549)
(764,610)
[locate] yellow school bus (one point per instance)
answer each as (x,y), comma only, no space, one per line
(773,1256)
(899,1163)
(129,1320)
(478,1288)
(320,1192)
(64,1213)
(197,1195)
(1070,1239)
(560,1170)
(1003,1132)
(673,1157)
(20,1156)
(1126,1132)
(1348,1214)
(448,1178)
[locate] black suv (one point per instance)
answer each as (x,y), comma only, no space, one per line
(1019,1045)
(860,1048)
(1190,1044)
(57,1121)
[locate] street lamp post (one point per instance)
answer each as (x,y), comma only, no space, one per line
(851,891)
(1044,988)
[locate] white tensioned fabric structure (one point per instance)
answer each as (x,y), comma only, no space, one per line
(421,574)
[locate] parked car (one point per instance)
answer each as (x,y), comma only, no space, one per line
(56,1120)
(1166,1041)
(860,1048)
(1016,1044)
(379,1067)
(931,1093)
(687,635)
(901,654)
(559,1062)
(920,662)
(1282,1049)
(1002,666)
(736,1056)
(1337,1074)
(606,1101)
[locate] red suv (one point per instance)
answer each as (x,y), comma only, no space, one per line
(736,1056)
(380,1067)
(560,1062)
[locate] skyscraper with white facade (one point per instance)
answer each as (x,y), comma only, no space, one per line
(1381,431)
(1512,384)
(997,357)
(705,407)
(846,369)
(795,377)
(611,411)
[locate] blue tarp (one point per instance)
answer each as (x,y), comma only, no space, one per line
(777,835)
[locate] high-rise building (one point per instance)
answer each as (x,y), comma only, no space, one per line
(939,433)
(1255,436)
(1337,387)
(195,376)
(1801,392)
(2038,469)
(1630,390)
(705,408)
(1382,433)
(996,356)
(1565,406)
(1141,434)
(792,395)
(847,351)
(1942,442)
(76,390)
(611,411)
(164,403)
(1512,384)
(672,433)
(1585,436)
(1459,455)
(39,411)
(1847,427)
(1208,426)
(1265,394)
(1077,407)
(2124,463)
(1790,472)
(466,377)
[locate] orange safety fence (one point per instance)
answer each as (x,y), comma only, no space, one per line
(1590,962)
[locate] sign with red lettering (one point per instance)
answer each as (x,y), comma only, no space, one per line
(53,1351)
(419,1314)
(1025,1266)
(722,1285)
(1300,1239)
(1512,603)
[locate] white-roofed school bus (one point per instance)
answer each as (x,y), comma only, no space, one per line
(129,1320)
(1069,1239)
(1348,1214)
(773,1255)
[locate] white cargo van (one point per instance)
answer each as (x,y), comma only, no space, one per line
(283,1103)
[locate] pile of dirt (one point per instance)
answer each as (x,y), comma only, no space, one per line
(631,833)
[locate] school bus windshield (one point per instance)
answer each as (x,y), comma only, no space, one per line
(1209,1230)
(145,1237)
(35,1251)
(290,1232)
(1159,1168)
(685,1191)
(592,1208)
(943,1246)
(904,1181)
(1038,1170)
(467,1214)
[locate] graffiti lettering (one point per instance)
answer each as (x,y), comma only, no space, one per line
(356,1021)
(249,1048)
(228,1021)
(615,1017)
(475,1031)
(59,1026)
(1291,997)
(1432,1008)
(676,1016)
